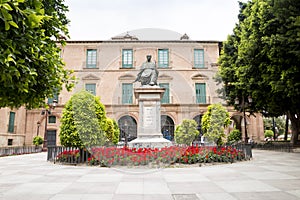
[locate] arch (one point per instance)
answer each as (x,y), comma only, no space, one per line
(167,127)
(198,119)
(238,123)
(128,128)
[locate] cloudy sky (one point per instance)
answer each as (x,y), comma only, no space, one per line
(200,19)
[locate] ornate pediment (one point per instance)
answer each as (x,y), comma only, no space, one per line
(90,77)
(127,77)
(165,77)
(199,77)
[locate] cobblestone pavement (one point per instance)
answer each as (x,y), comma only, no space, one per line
(268,176)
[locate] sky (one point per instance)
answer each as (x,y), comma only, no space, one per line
(199,19)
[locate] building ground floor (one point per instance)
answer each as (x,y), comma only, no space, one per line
(46,123)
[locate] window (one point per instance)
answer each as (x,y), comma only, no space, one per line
(166,96)
(50,100)
(200,93)
(199,58)
(127,93)
(11,123)
(91,87)
(127,58)
(9,142)
(91,58)
(163,58)
(51,119)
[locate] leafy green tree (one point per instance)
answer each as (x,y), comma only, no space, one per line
(234,136)
(112,131)
(83,122)
(213,122)
(279,124)
(261,59)
(30,65)
(186,132)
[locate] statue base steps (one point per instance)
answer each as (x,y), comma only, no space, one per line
(148,142)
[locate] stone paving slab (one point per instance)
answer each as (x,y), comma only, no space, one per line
(269,175)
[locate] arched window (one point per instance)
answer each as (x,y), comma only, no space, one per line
(128,128)
(167,127)
(198,119)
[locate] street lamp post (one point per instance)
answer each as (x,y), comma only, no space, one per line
(38,128)
(46,112)
(243,105)
(125,133)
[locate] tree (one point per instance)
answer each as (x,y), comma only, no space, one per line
(112,131)
(186,132)
(213,122)
(30,65)
(234,136)
(279,124)
(83,122)
(261,59)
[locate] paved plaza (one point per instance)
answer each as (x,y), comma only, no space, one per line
(268,176)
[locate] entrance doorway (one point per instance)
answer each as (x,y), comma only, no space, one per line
(51,138)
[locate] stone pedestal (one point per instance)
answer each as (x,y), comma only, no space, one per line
(149,126)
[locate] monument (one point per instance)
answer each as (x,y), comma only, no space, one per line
(149,95)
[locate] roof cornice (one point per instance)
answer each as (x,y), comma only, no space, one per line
(143,41)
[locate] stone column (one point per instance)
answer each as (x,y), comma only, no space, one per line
(149,126)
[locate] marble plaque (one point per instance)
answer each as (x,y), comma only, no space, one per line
(149,116)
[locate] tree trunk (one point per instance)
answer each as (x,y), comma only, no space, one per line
(295,122)
(286,127)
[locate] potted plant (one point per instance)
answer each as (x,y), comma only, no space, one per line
(37,141)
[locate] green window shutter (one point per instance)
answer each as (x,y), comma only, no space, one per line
(51,119)
(91,87)
(163,58)
(127,58)
(91,58)
(127,93)
(11,123)
(199,58)
(55,96)
(201,93)
(166,96)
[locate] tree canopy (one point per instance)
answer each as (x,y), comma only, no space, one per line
(84,123)
(261,59)
(213,122)
(186,132)
(31,68)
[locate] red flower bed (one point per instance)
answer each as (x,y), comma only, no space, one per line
(71,156)
(108,156)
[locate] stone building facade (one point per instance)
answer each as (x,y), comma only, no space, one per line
(108,68)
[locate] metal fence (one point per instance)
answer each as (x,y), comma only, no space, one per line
(74,156)
(71,155)
(246,148)
(7,151)
(275,146)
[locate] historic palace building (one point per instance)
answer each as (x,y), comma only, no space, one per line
(108,69)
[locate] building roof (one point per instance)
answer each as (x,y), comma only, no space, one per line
(150,34)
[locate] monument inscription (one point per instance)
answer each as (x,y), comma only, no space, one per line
(149,116)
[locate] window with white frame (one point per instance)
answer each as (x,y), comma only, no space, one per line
(127,58)
(91,58)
